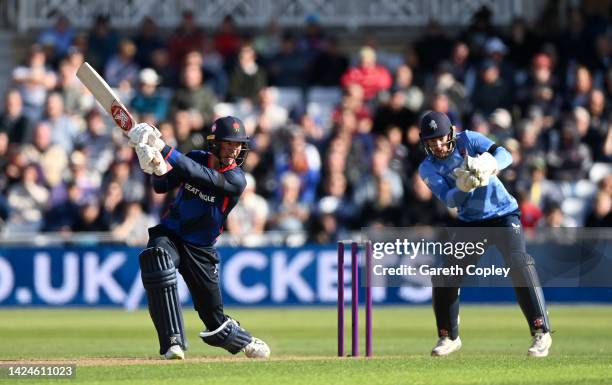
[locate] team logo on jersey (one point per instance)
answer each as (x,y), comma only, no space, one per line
(433,125)
(517,228)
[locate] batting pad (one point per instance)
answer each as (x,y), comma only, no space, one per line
(229,336)
(159,279)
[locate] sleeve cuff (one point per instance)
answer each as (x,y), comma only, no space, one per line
(166,151)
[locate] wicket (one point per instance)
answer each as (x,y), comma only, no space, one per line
(355,298)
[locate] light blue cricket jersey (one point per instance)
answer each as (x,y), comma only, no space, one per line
(490,201)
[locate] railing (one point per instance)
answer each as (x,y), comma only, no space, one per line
(257,13)
(8,14)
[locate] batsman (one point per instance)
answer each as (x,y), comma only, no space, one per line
(460,170)
(209,186)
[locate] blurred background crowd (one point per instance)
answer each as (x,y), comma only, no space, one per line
(335,140)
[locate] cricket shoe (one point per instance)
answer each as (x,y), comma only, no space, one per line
(446,346)
(257,349)
(540,345)
(175,353)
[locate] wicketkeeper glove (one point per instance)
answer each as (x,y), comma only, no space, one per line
(465,180)
(483,166)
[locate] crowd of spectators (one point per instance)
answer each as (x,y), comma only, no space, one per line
(335,140)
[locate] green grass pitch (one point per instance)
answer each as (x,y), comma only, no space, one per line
(116,347)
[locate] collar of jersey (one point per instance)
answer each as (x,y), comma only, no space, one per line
(222,169)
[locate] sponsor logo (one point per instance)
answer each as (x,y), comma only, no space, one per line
(196,191)
(121,116)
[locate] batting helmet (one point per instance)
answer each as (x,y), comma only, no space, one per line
(434,125)
(228,129)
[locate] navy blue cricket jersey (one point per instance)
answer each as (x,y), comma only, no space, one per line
(205,197)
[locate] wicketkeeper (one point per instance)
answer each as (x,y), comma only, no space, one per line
(460,170)
(210,184)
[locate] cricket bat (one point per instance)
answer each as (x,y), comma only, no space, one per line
(106,97)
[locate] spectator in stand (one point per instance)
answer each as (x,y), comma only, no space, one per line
(404,82)
(554,217)
(97,143)
(580,90)
(540,88)
(77,99)
(193,95)
(328,65)
(90,218)
(539,190)
(381,179)
(441,103)
(63,129)
(600,119)
(133,230)
(149,101)
(59,36)
(268,43)
(63,216)
(27,202)
(248,218)
(303,160)
(289,214)
(522,44)
(268,113)
(496,50)
(393,113)
(288,68)
(434,46)
(102,43)
(373,78)
(601,212)
(12,120)
(113,205)
(335,200)
(33,81)
(491,90)
(444,82)
(573,159)
(247,77)
(51,157)
(169,76)
(131,182)
(122,66)
(147,40)
(420,207)
(227,41)
(187,37)
(188,136)
(460,66)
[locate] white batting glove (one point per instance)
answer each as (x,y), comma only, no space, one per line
(146,156)
(146,134)
(160,167)
(465,180)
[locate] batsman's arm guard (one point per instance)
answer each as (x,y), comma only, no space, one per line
(229,336)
